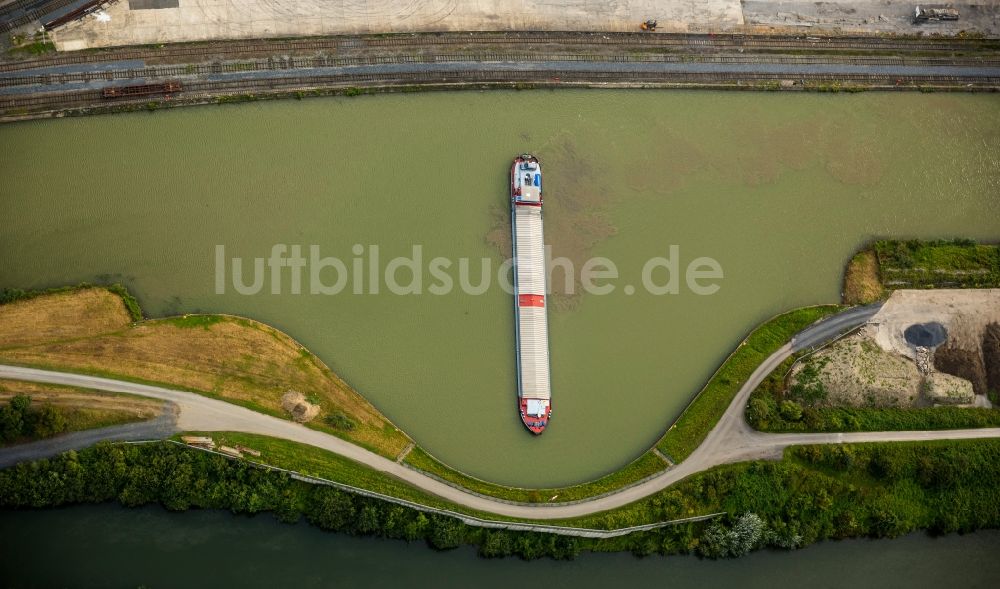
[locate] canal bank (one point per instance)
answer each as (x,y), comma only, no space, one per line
(847,167)
(90,98)
(161,76)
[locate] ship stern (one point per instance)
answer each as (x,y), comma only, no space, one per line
(535,414)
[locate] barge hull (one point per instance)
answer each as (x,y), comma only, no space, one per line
(531,321)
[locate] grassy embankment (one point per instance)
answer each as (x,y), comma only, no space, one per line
(313,461)
(211,354)
(704,411)
(680,440)
(887,265)
(75,409)
(645,465)
(836,491)
(22,46)
(814,493)
(96,331)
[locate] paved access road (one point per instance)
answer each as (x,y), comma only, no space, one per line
(162,426)
(732,440)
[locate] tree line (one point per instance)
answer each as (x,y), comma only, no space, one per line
(815,493)
(19,421)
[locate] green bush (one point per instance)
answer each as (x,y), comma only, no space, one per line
(48,421)
(745,535)
(9,295)
(867,419)
(11,424)
(131,304)
(19,421)
(790,411)
(808,388)
(339,421)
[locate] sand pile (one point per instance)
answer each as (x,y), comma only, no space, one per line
(300,409)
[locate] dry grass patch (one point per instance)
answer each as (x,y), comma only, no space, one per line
(66,396)
(66,315)
(231,358)
(861,281)
(83,408)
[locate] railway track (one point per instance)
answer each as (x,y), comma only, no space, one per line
(222,50)
(11,7)
(325,61)
(8,22)
(40,102)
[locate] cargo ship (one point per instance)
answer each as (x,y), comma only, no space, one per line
(534,397)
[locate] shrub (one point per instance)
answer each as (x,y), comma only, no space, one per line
(759,411)
(746,534)
(131,304)
(790,411)
(813,494)
(339,421)
(48,421)
(446,533)
(11,424)
(808,388)
(497,543)
(9,295)
(18,420)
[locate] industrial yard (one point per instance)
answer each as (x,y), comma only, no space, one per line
(160,53)
(923,348)
(135,22)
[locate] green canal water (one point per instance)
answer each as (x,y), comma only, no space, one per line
(108,546)
(778,189)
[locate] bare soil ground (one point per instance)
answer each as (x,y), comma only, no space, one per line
(967,364)
(231,358)
(857,373)
(298,407)
(877,368)
(964,313)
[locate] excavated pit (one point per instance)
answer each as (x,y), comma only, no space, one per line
(927,335)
